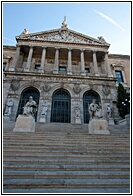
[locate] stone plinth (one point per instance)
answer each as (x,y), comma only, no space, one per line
(25,124)
(7,118)
(111,121)
(127,117)
(77,120)
(98,126)
(43,119)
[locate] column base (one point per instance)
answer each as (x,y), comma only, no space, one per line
(11,69)
(55,72)
(41,71)
(83,73)
(26,69)
(69,73)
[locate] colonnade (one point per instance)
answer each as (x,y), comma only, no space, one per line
(56,64)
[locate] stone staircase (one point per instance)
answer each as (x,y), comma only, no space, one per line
(66,160)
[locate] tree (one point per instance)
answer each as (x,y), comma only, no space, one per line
(121,97)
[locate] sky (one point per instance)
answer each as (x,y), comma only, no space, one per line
(112,20)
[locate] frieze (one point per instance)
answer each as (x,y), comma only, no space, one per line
(63,36)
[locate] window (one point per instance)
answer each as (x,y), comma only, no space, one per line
(62,68)
(4,66)
(119,76)
(37,66)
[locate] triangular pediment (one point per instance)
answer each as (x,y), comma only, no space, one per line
(61,35)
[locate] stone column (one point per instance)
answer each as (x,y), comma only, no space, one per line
(107,64)
(95,63)
(12,68)
(69,66)
(55,71)
(82,62)
(43,60)
(27,68)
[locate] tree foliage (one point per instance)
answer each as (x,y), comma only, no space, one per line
(121,97)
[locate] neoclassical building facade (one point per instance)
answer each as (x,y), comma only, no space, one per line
(65,70)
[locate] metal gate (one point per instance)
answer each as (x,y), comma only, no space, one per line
(30,91)
(61,106)
(87,99)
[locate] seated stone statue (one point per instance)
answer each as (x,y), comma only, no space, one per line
(93,107)
(30,108)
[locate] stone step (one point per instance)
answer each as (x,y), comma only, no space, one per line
(68,190)
(64,161)
(66,174)
(66,183)
(40,166)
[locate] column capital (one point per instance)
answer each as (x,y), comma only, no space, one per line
(69,49)
(44,47)
(18,45)
(106,52)
(31,46)
(94,51)
(82,50)
(57,48)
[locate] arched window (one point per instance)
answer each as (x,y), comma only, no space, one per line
(61,106)
(87,99)
(30,91)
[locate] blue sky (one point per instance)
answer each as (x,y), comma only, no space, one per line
(110,20)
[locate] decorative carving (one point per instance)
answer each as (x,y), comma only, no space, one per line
(46,87)
(106,89)
(44,109)
(76,88)
(9,106)
(101,38)
(64,36)
(15,84)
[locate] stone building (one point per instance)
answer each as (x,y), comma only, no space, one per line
(64,70)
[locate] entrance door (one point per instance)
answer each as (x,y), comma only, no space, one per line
(87,99)
(61,106)
(30,91)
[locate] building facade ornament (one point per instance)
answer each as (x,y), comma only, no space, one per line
(15,84)
(77,88)
(106,89)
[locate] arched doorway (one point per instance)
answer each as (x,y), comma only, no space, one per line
(30,91)
(61,106)
(87,99)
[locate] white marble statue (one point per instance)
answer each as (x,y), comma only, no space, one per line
(77,111)
(30,108)
(109,111)
(9,106)
(44,109)
(95,110)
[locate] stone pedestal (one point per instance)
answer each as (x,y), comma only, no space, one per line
(43,119)
(127,117)
(98,126)
(77,120)
(24,124)
(6,118)
(111,121)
